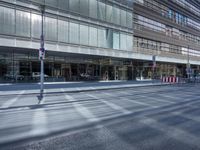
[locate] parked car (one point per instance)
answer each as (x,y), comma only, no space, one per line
(14,77)
(36,75)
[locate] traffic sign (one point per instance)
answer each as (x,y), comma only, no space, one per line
(154,61)
(41,53)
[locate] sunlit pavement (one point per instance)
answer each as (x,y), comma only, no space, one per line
(144,118)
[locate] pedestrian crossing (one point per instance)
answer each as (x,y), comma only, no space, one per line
(63,111)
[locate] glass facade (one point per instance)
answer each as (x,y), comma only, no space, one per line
(171,14)
(60,29)
(141,22)
(76,30)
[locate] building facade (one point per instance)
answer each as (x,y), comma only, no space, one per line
(99,39)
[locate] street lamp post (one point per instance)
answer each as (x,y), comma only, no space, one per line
(42,53)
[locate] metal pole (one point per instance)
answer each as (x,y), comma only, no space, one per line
(41,57)
(188,64)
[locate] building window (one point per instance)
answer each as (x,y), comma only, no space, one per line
(116,41)
(7,21)
(23,23)
(101,37)
(93,36)
(84,7)
(109,13)
(93,8)
(116,15)
(36,25)
(123,18)
(74,33)
(101,11)
(123,41)
(63,31)
(52,3)
(84,35)
(51,29)
(63,4)
(74,5)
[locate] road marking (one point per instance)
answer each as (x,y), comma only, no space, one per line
(39,122)
(140,103)
(112,105)
(172,132)
(12,101)
(168,96)
(81,109)
(156,99)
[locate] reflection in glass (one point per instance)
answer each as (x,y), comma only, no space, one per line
(7,20)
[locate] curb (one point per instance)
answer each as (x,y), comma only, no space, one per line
(90,89)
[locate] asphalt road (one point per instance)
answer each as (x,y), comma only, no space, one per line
(140,118)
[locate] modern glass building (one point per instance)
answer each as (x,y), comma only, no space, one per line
(98,39)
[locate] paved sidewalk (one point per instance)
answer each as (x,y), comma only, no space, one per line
(56,87)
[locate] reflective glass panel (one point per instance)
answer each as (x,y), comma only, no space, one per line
(51,29)
(7,20)
(93,36)
(84,35)
(93,8)
(63,30)
(36,25)
(74,33)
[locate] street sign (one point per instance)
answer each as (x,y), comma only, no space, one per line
(41,53)
(189,70)
(154,60)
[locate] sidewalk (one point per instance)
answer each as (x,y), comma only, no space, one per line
(57,87)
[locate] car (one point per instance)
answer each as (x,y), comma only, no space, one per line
(36,75)
(14,77)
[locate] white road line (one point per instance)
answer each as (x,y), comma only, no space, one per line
(10,102)
(82,110)
(112,105)
(156,99)
(168,96)
(39,121)
(141,103)
(135,101)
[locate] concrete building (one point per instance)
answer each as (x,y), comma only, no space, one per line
(99,39)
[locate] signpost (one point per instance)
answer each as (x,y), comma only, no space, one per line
(42,54)
(154,65)
(188,69)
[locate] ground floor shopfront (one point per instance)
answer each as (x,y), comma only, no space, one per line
(23,66)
